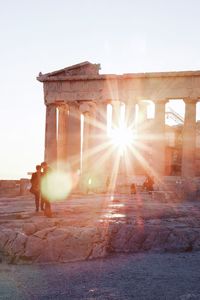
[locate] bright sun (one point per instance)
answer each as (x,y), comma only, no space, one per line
(122,137)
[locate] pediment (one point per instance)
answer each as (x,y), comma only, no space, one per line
(84,68)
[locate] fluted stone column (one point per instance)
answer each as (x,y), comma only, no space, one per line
(129,157)
(142,164)
(88,136)
(114,160)
(62,134)
(142,113)
(101,122)
(116,109)
(74,138)
(88,148)
(159,139)
(51,135)
(130,115)
(141,121)
(189,138)
(101,157)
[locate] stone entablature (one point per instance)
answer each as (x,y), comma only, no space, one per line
(62,86)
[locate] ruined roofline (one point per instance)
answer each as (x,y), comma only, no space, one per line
(52,76)
(67,68)
(66,71)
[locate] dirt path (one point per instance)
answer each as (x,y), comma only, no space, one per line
(142,276)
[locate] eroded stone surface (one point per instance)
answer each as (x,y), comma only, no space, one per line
(94,226)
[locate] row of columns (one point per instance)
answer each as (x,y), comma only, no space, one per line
(62,134)
(63,142)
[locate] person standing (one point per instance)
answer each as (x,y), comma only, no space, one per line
(133,188)
(35,186)
(148,184)
(45,202)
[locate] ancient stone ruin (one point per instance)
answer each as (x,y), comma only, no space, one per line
(77,99)
(83,109)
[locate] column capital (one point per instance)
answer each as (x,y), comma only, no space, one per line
(130,100)
(112,101)
(73,105)
(86,107)
(160,101)
(100,104)
(63,107)
(142,103)
(51,105)
(190,100)
(117,103)
(107,101)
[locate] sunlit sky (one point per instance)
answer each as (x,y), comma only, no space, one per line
(45,35)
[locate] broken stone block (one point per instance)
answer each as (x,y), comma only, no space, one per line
(29,228)
(34,247)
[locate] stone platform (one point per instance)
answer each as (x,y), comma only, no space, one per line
(92,226)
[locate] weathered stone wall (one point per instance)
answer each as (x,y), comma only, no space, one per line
(14,187)
(9,187)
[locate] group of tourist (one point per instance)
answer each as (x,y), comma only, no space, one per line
(147,185)
(39,187)
(41,199)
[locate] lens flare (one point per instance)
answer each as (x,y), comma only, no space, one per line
(56,185)
(122,137)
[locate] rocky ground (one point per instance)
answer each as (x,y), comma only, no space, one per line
(95,226)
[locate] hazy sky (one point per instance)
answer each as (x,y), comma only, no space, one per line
(46,35)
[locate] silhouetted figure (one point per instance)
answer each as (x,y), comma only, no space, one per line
(35,186)
(44,171)
(133,188)
(148,184)
(45,203)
